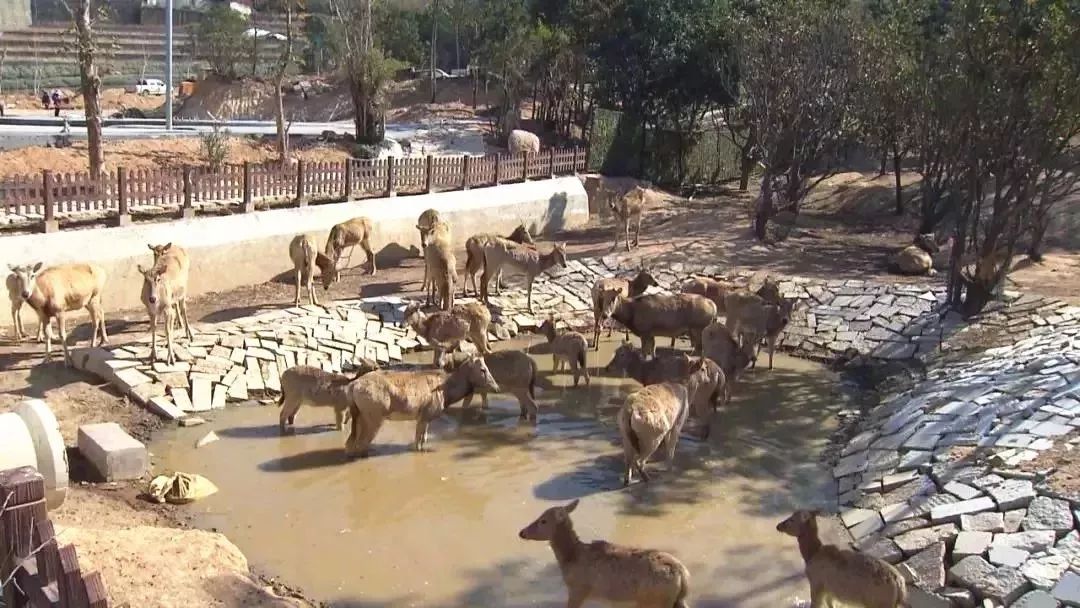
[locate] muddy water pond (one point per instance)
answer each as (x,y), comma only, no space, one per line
(441,528)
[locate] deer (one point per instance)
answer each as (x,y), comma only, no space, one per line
(606,291)
(424,225)
(751,319)
(520,257)
(440,266)
(846,575)
(720,346)
(918,258)
(443,329)
(714,289)
(710,389)
(410,395)
(61,289)
(15,296)
(306,257)
(514,370)
(629,208)
(478,318)
(568,348)
(602,570)
(313,386)
(653,315)
(474,255)
(653,417)
(356,231)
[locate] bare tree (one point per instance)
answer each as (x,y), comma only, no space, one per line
(86,51)
(286,60)
(434,43)
(366,69)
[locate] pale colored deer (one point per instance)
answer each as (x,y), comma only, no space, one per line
(474,255)
(443,329)
(840,574)
(424,224)
(651,418)
(654,315)
(523,258)
(629,208)
(720,346)
(514,370)
(440,267)
(605,292)
(14,292)
(315,387)
(479,319)
(356,231)
(58,290)
(306,257)
(601,570)
(568,348)
(410,395)
(751,319)
(714,289)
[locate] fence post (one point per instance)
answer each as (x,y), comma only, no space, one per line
(189,209)
(348,179)
(23,490)
(575,168)
(51,225)
(124,217)
(585,162)
(430,174)
(551,161)
(390,164)
(465,172)
(497,167)
(70,583)
(301,201)
(249,206)
(525,166)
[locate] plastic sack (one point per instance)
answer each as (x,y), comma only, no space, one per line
(180,488)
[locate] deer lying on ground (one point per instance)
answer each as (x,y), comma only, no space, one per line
(710,388)
(567,348)
(721,347)
(440,266)
(306,257)
(601,570)
(605,292)
(846,575)
(443,329)
(650,316)
(917,258)
(356,231)
(629,208)
(58,290)
(424,224)
(312,386)
(474,255)
(514,370)
(523,258)
(164,294)
(410,395)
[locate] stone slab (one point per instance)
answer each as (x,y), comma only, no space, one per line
(1007,556)
(983,522)
(164,407)
(1012,494)
(113,453)
(1032,541)
(952,512)
(971,543)
(1067,590)
(1046,513)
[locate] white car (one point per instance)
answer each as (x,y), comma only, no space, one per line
(150,86)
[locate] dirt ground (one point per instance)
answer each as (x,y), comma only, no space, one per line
(28,103)
(841,233)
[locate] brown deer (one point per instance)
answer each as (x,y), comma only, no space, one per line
(523,258)
(602,570)
(424,224)
(440,266)
(313,386)
(356,231)
(58,290)
(654,315)
(306,257)
(605,292)
(514,370)
(567,348)
(474,255)
(629,208)
(845,575)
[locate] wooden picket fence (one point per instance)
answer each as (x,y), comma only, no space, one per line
(118,194)
(38,572)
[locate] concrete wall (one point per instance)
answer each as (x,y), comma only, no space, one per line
(14,14)
(245,249)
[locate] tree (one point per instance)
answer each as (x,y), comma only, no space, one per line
(288,7)
(90,81)
(798,79)
(219,40)
(397,32)
(367,69)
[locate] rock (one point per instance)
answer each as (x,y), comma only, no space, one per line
(1012,494)
(1069,547)
(1045,571)
(917,540)
(866,527)
(1046,513)
(851,517)
(881,548)
(207,439)
(1008,556)
(1036,599)
(114,454)
(961,490)
(164,407)
(971,543)
(917,598)
(1012,520)
(201,396)
(927,567)
(907,525)
(1032,541)
(1067,590)
(1001,584)
(952,512)
(959,597)
(982,522)
(191,421)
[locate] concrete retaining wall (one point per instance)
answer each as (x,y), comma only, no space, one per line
(244,249)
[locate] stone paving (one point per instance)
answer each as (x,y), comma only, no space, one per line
(965,530)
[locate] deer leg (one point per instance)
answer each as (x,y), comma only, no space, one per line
(311,287)
(289,407)
(485,279)
(153,337)
(616,244)
(577,598)
(16,319)
(63,338)
(170,358)
(421,434)
(366,244)
(101,319)
(528,294)
(626,225)
(182,306)
(339,419)
(299,279)
(637,231)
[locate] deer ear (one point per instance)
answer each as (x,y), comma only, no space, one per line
(570,507)
(149,246)
(37,267)
(13,268)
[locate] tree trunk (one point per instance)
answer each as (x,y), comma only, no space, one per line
(896,160)
(434,39)
(746,167)
(1038,235)
(91,86)
(279,81)
(884,161)
(254,45)
(977,294)
(764,211)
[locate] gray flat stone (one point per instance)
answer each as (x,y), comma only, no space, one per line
(952,512)
(1069,547)
(850,517)
(1012,520)
(201,395)
(114,454)
(866,527)
(1046,513)
(927,567)
(1051,429)
(1067,590)
(1045,571)
(917,598)
(983,522)
(971,543)
(961,490)
(1012,494)
(917,540)
(164,407)
(1001,584)
(895,480)
(882,548)
(907,525)
(1036,599)
(855,463)
(1008,556)
(1031,541)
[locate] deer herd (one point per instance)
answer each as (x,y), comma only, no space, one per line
(725,322)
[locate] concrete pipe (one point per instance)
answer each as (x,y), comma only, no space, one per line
(31,437)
